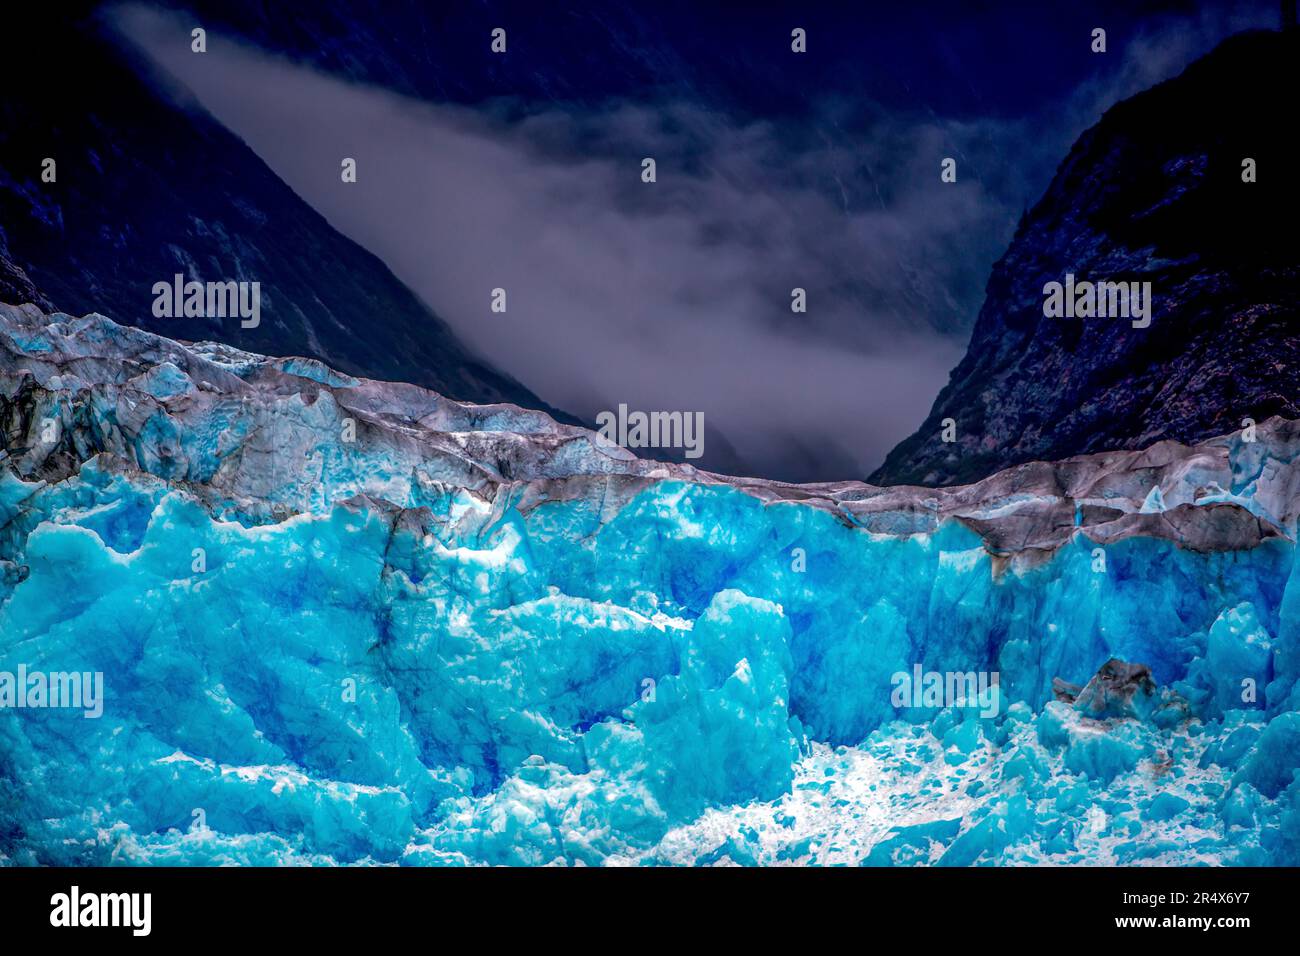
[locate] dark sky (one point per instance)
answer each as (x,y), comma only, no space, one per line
(775,170)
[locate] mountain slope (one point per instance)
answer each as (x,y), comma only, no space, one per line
(1153,192)
(16,286)
(145,190)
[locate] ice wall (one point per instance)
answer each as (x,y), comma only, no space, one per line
(416,657)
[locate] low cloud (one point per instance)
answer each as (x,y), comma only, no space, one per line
(673,295)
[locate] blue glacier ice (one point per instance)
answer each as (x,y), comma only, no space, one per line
(348,622)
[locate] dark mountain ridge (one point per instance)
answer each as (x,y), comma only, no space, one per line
(1153,193)
(145,190)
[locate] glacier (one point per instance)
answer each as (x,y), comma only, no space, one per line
(353,622)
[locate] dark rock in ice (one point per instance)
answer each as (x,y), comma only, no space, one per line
(1118,689)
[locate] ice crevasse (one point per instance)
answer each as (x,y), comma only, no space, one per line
(341,621)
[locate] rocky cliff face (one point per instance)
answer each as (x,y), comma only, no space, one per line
(1153,193)
(16,285)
